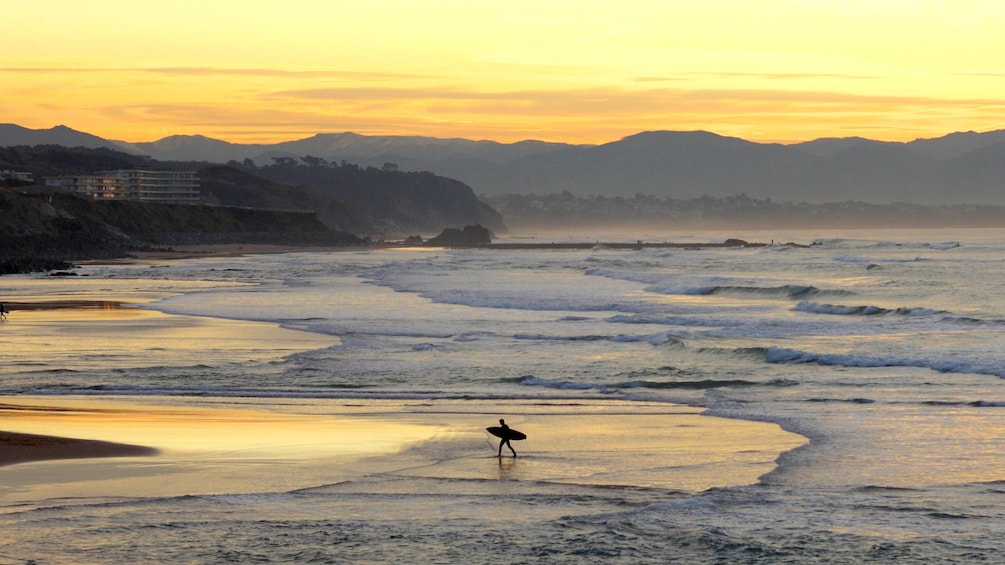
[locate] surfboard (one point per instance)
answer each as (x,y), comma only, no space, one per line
(513,434)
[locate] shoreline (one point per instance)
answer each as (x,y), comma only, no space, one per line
(235,250)
(230,248)
(63,267)
(18,448)
(206,444)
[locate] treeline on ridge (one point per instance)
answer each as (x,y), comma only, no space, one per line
(344,196)
(565,210)
(391,201)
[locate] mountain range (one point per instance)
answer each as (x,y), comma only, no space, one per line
(964,167)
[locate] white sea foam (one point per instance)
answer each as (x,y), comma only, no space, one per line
(893,372)
(943,364)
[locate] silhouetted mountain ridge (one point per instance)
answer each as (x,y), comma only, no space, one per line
(962,167)
(11,134)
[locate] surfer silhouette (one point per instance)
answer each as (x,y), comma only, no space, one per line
(3,311)
(505,434)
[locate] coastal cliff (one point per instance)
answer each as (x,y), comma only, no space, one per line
(42,232)
(305,202)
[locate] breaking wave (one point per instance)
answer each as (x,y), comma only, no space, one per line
(674,285)
(865,310)
(942,365)
(698,384)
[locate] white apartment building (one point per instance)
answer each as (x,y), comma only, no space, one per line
(8,174)
(179,187)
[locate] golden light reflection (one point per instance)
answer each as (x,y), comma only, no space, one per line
(199,450)
(597,443)
(76,335)
(222,433)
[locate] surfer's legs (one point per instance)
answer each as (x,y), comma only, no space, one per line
(505,442)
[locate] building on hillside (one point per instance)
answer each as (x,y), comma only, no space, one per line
(8,175)
(98,187)
(176,187)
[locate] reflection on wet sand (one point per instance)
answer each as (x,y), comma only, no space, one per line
(272,448)
(110,334)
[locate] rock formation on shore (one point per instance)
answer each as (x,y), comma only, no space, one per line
(468,236)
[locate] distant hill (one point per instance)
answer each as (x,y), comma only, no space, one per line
(393,201)
(557,212)
(56,160)
(686,165)
(959,168)
(234,186)
(958,144)
(360,149)
(350,198)
(11,134)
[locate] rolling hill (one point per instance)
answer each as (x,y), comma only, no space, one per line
(958,168)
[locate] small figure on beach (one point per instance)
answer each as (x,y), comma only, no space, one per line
(3,311)
(505,438)
(505,433)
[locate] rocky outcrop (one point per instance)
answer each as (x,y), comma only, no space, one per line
(470,236)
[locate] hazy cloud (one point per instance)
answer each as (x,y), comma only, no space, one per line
(382,103)
(782,76)
(688,76)
(620,100)
(216,71)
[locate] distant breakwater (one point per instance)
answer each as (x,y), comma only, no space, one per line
(638,245)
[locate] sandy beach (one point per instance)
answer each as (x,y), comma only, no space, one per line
(348,423)
(259,448)
(114,446)
(95,446)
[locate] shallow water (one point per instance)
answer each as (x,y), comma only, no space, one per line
(885,349)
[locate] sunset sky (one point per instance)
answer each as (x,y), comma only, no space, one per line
(580,72)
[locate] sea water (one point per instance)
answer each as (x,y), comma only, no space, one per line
(885,349)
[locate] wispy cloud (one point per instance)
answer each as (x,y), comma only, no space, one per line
(217,71)
(585,115)
(782,76)
(618,100)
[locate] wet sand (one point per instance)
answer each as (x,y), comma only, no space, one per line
(115,446)
(107,329)
(215,449)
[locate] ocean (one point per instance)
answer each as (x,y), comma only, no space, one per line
(885,350)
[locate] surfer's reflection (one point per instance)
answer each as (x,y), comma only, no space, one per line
(508,469)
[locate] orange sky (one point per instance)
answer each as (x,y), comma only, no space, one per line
(589,71)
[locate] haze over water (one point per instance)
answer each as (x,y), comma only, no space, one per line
(884,350)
